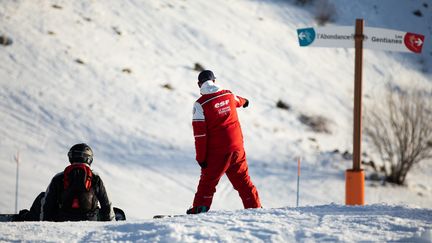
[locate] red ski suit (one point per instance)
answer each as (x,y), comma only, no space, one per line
(219,144)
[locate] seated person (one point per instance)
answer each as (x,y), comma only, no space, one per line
(74,194)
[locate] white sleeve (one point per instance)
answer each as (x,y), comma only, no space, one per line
(198,112)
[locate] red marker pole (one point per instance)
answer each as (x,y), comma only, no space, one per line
(298,180)
(17,160)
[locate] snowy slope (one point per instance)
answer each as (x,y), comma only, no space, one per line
(94,72)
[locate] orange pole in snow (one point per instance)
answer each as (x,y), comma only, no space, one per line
(354,187)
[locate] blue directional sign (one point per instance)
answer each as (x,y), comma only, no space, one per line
(306,36)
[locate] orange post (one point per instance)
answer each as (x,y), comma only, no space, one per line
(354,187)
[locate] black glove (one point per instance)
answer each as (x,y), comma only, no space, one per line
(246,103)
(203,165)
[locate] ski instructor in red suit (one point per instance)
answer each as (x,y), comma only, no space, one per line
(219,144)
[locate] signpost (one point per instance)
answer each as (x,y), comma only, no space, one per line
(354,178)
(359,38)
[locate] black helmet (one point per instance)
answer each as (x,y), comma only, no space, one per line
(205,76)
(80,153)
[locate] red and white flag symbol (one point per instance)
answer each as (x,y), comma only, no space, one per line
(414,42)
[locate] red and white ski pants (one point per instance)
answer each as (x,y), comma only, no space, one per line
(234,165)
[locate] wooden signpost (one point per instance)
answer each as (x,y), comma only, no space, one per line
(359,38)
(354,178)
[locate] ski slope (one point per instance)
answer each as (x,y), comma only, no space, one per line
(97,72)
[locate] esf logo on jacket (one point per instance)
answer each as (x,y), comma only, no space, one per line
(223,107)
(220,104)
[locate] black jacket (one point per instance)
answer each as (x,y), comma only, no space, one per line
(53,210)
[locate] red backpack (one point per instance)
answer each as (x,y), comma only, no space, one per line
(77,183)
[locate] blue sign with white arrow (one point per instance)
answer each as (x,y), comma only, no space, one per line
(306,36)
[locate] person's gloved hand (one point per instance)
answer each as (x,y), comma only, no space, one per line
(246,103)
(203,164)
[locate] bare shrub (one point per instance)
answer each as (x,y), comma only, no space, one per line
(316,123)
(401,132)
(418,13)
(168,86)
(116,30)
(198,67)
(325,12)
(282,105)
(56,6)
(303,2)
(5,40)
(79,61)
(127,70)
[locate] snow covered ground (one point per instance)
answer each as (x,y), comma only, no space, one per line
(119,76)
(331,223)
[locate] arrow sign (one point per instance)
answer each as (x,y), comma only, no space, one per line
(340,36)
(393,40)
(374,38)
